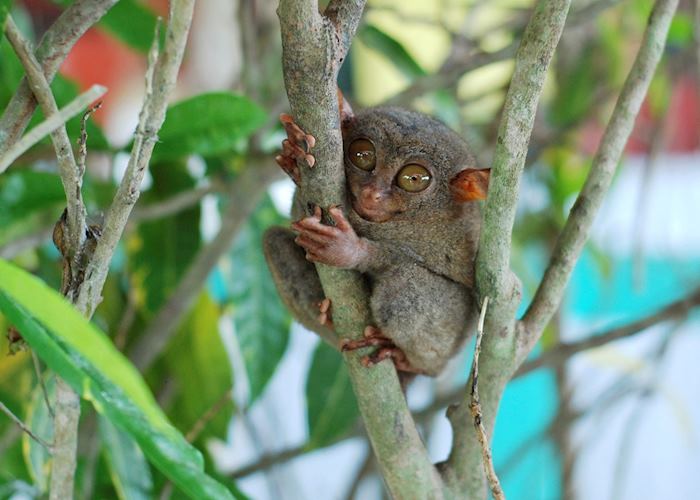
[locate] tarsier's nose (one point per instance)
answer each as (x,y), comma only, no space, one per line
(371,196)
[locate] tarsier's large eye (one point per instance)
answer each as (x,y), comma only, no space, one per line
(413,178)
(361,154)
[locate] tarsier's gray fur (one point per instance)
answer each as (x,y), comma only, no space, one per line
(421,269)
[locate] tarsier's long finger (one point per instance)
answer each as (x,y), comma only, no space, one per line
(309,244)
(295,152)
(320,239)
(312,257)
(373,332)
(351,345)
(313,226)
(324,316)
(378,356)
(339,218)
(290,167)
(295,132)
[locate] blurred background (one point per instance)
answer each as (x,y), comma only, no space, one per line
(269,405)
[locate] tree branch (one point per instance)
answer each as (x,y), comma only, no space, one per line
(449,76)
(564,351)
(578,225)
(49,125)
(53,49)
(24,428)
(314,47)
(477,413)
(71,176)
(463,471)
(160,82)
(243,195)
(557,355)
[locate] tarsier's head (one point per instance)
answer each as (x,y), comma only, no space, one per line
(399,163)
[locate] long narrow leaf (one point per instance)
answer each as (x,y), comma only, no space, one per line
(88,361)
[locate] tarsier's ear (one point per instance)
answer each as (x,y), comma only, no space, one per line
(346,114)
(470,184)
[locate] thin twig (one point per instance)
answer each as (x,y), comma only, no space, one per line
(71,174)
(40,379)
(449,75)
(562,352)
(26,429)
(82,140)
(53,48)
(50,124)
(463,470)
(172,205)
(161,76)
(208,415)
(197,429)
(477,415)
(365,470)
(580,220)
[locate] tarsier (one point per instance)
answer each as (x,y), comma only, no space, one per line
(411,228)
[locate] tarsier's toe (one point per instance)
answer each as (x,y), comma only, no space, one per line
(324,316)
(372,337)
(299,138)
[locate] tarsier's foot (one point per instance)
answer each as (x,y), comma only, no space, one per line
(297,146)
(373,337)
(324,317)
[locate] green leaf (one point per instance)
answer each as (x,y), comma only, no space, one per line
(128,468)
(131,22)
(84,357)
(161,250)
(261,320)
(207,124)
(330,402)
(197,348)
(680,33)
(394,52)
(11,72)
(24,192)
(4,11)
(39,420)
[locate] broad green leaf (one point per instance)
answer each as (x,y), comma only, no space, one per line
(330,403)
(261,320)
(39,420)
(162,249)
(84,357)
(197,348)
(131,22)
(394,52)
(207,124)
(128,468)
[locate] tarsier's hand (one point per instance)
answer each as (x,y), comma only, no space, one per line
(337,245)
(297,146)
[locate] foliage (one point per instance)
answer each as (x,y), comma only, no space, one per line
(210,140)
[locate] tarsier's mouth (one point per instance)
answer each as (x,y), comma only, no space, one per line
(372,215)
